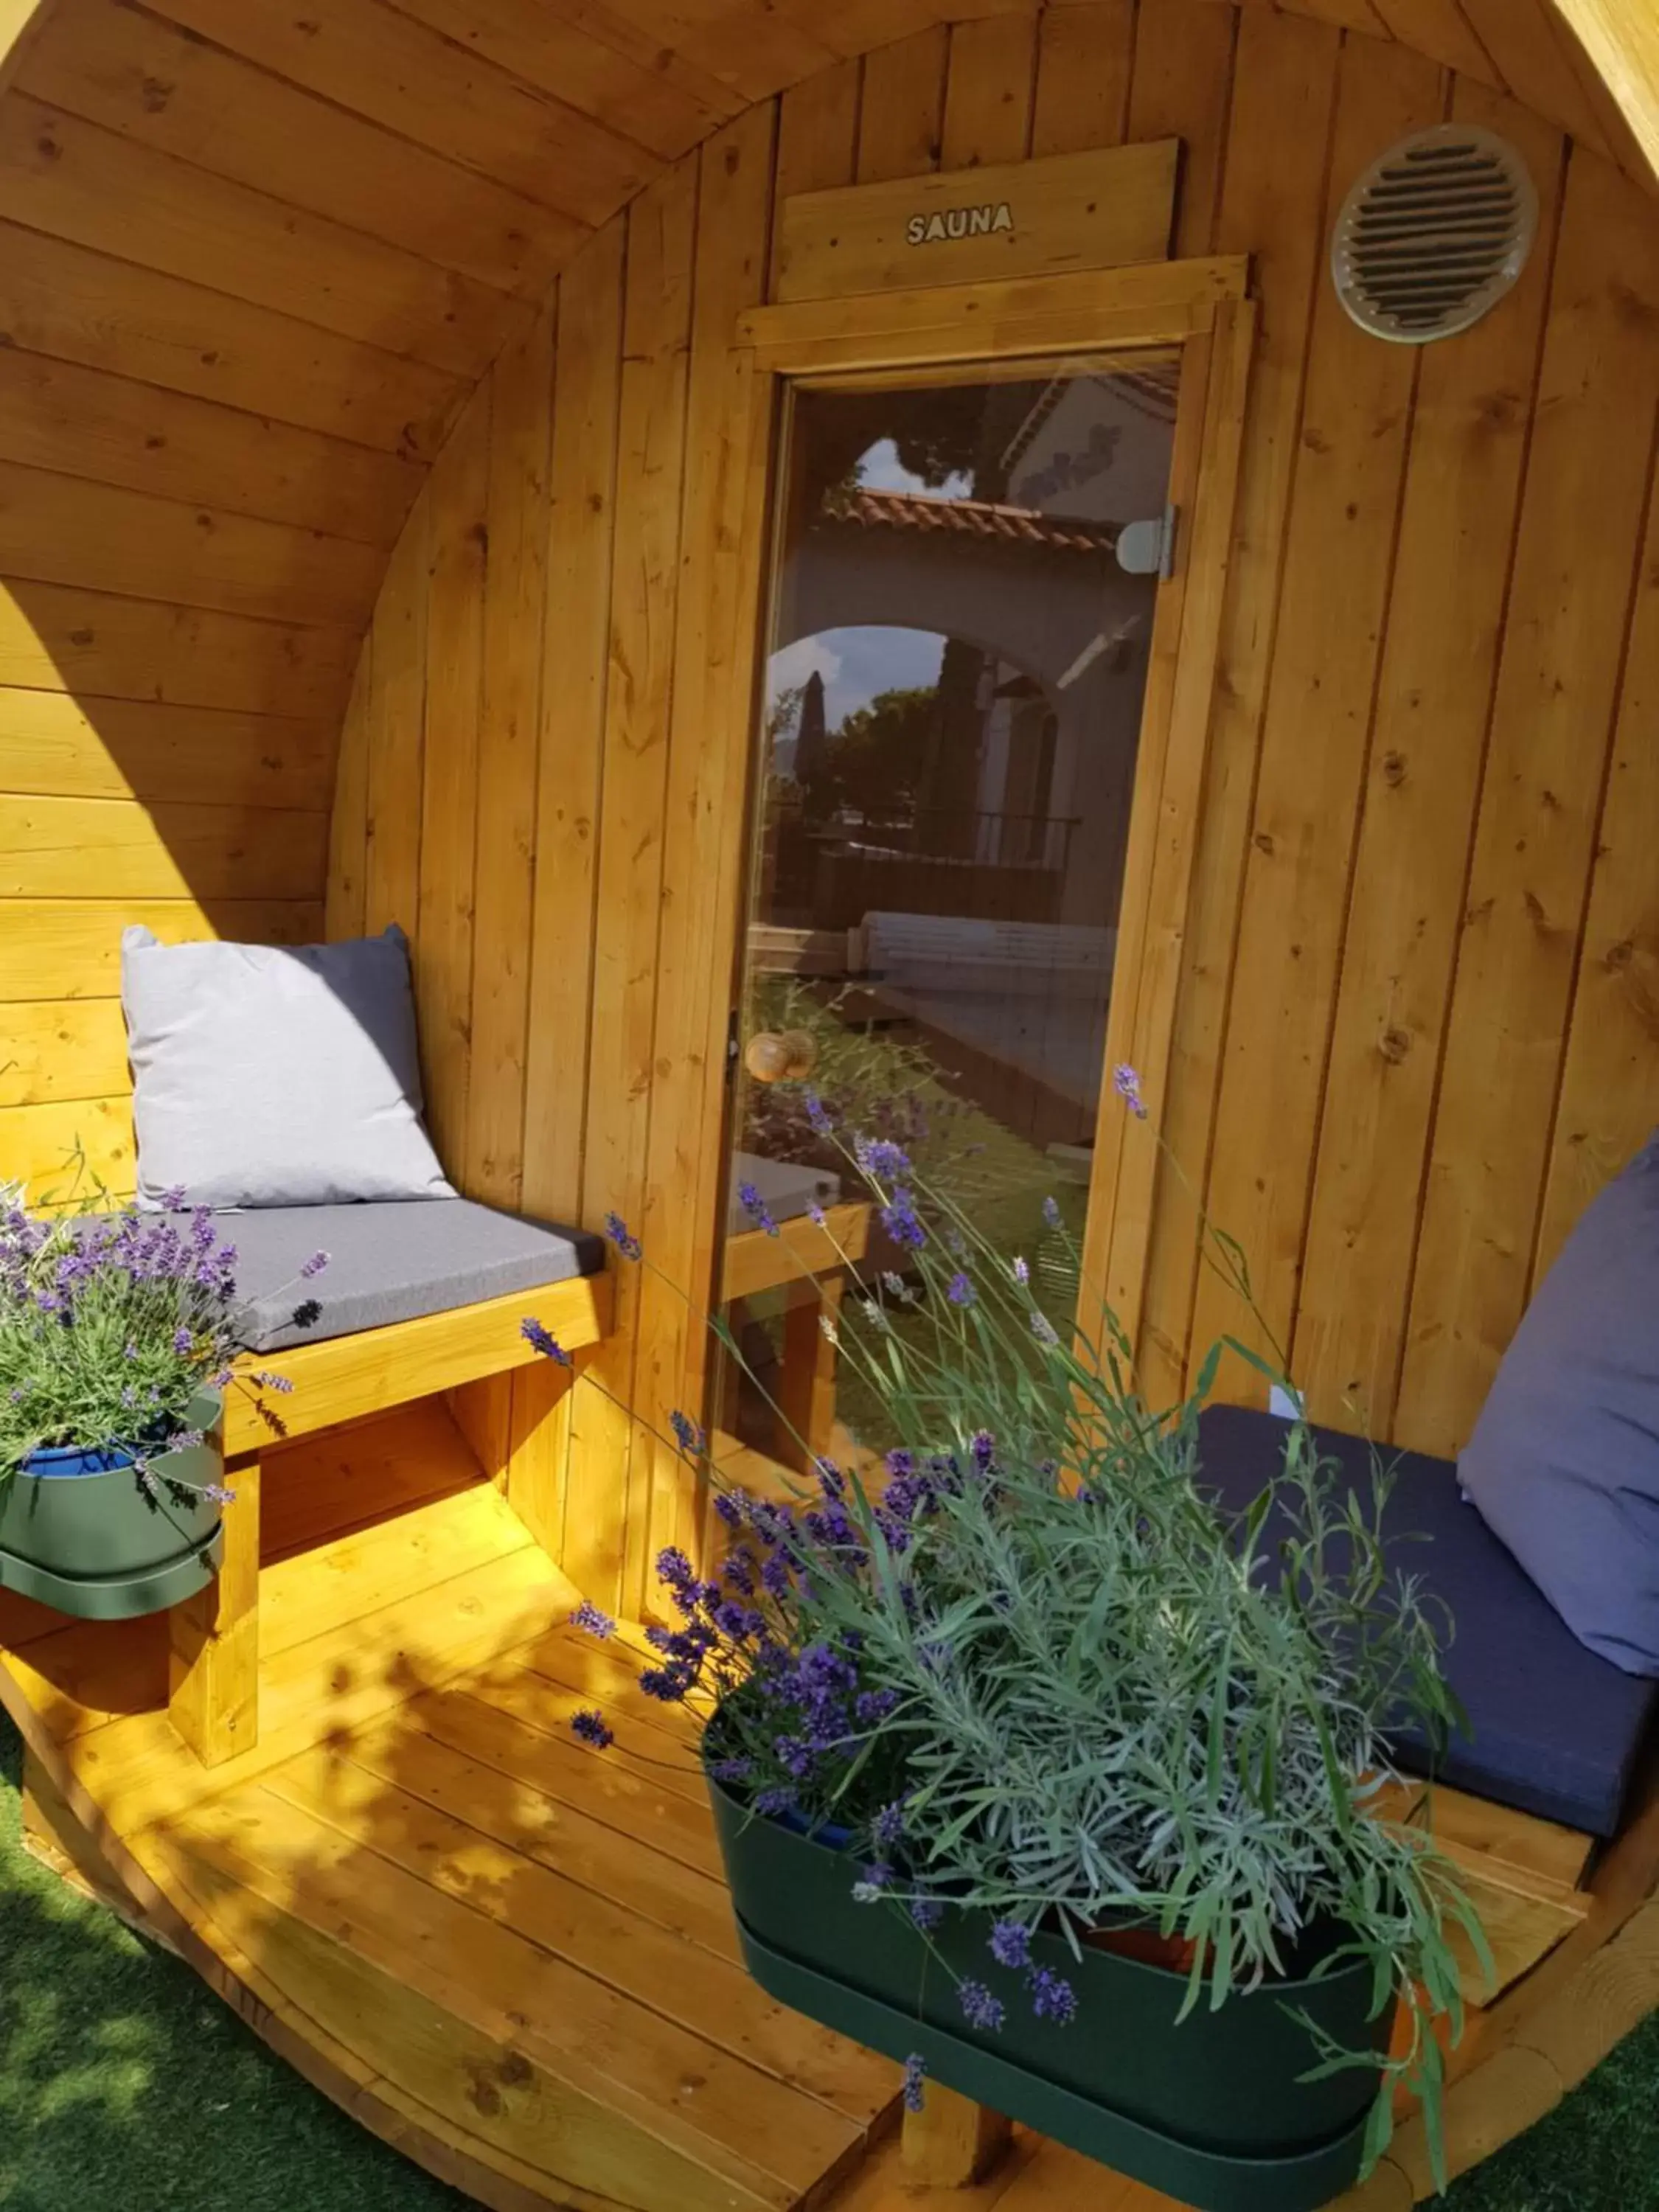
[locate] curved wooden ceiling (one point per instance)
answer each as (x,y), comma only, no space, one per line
(255,253)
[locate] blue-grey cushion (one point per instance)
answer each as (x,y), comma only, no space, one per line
(1553,1729)
(389,1263)
(1564,1462)
(276,1075)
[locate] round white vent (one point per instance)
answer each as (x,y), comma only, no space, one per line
(1434,234)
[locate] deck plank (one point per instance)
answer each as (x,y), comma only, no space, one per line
(488,1868)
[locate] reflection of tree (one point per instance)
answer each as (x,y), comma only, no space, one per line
(944,431)
(876,761)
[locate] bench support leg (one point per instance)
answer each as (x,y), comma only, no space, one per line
(951,2142)
(214,1672)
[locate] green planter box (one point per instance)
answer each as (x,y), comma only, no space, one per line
(79,1532)
(1210,2110)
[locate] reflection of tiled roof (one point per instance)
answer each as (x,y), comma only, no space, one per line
(970,518)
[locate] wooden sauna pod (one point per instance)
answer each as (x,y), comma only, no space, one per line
(366,476)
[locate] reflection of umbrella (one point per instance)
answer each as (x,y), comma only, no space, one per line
(811,741)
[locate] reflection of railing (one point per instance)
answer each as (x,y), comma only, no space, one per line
(977,836)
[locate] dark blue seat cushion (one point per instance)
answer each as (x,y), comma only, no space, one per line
(1553,1729)
(389,1261)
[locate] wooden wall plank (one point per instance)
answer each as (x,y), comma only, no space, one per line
(59,530)
(51,743)
(645,101)
(112,429)
(1539,801)
(61,638)
(1339,556)
(67,948)
(348,831)
(59,1048)
(1457,528)
(902,111)
(1520,37)
(67,1152)
(452,680)
(706,860)
(81,848)
(817,139)
(1609,1104)
(1273,196)
(1440,29)
(81,182)
(103,61)
(395,716)
(1085,58)
(651,455)
(989,92)
(66,300)
(375,61)
(1184,76)
(515,600)
(582,503)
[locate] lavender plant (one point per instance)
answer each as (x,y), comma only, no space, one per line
(1029,1669)
(112,1325)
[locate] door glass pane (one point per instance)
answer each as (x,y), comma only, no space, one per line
(956,664)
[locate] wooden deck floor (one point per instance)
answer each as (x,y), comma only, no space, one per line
(516,1957)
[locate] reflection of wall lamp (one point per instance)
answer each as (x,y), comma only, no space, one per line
(1147,549)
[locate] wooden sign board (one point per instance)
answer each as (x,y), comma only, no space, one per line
(1030,218)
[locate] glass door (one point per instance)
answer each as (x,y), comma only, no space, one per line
(959,641)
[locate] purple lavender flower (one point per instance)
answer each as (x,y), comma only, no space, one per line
(1052,1996)
(983,1449)
(1010,1943)
(779,1798)
(691,1438)
(539,1340)
(883,1159)
(874,1883)
(926,1913)
(873,1706)
(818,1115)
(183,1341)
(731,1770)
(902,1221)
(591,1622)
(175,1198)
(730,1508)
(1042,1328)
(755,1206)
(674,1569)
(888,1827)
(1127,1083)
(960,1290)
(817,1216)
(979,2008)
(617,1231)
(589,1726)
(129,1351)
(1021,1272)
(313,1266)
(1051,1213)
(916,2080)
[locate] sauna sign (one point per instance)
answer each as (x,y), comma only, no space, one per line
(1095,210)
(926,228)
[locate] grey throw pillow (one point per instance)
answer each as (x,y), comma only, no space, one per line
(276,1075)
(1564,1463)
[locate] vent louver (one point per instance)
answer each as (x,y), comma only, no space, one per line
(1434,234)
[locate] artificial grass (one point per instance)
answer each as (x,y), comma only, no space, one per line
(124,2083)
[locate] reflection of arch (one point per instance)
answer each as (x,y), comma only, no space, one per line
(1045,610)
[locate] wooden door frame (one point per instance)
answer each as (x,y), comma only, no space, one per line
(1203,308)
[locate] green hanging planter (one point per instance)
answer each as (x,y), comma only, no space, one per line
(1209,2109)
(81,1532)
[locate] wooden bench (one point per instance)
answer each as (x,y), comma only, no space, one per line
(214,1680)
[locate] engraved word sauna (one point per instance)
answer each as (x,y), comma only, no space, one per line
(1098,210)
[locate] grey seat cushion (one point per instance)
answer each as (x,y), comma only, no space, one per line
(276,1075)
(1564,1462)
(389,1262)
